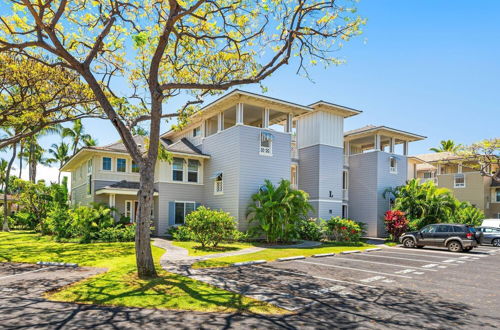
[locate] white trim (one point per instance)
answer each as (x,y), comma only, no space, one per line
(102,164)
(118,191)
(327,200)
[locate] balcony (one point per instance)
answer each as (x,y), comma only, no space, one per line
(345,194)
(346,160)
(295,151)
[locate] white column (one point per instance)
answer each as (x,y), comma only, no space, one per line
(265,118)
(239,114)
(405,148)
(377,142)
(392,144)
(220,121)
(289,123)
(460,168)
(112,201)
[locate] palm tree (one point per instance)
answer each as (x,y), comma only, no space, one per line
(3,172)
(89,141)
(77,134)
(447,145)
(60,155)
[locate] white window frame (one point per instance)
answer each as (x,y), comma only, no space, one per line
(265,151)
(459,185)
(183,170)
(346,211)
(393,169)
(124,171)
(129,213)
(197,171)
(102,164)
(183,202)
(219,185)
(89,166)
(497,195)
(197,131)
(132,167)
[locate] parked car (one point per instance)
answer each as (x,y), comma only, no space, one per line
(490,235)
(491,223)
(455,237)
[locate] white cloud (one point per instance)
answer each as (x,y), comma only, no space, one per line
(47,173)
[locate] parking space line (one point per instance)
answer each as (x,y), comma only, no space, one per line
(418,260)
(414,254)
(314,276)
(383,263)
(23,273)
(350,268)
(423,251)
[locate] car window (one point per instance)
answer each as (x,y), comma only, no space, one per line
(458,229)
(425,229)
(443,229)
(432,229)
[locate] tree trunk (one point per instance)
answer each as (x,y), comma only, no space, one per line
(21,159)
(31,163)
(144,258)
(6,207)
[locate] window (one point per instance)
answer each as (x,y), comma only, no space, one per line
(427,175)
(293,176)
(345,180)
(197,131)
(89,185)
(266,144)
(106,163)
(181,210)
(178,169)
(444,229)
(193,166)
(459,181)
(458,229)
(121,165)
(497,194)
(135,167)
(89,166)
(393,167)
(344,211)
(128,210)
(218,184)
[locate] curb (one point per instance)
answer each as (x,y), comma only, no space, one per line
(373,249)
(290,258)
(63,264)
(249,263)
(351,251)
(323,255)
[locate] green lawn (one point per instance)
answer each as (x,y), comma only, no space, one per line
(195,248)
(120,286)
(272,254)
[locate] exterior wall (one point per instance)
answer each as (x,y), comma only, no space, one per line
(474,190)
(320,175)
(113,175)
(369,176)
(320,127)
(235,153)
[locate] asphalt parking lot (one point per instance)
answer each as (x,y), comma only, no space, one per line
(392,288)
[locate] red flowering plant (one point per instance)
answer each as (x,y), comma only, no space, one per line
(396,223)
(343,230)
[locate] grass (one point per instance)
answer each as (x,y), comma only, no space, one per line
(119,286)
(195,248)
(272,254)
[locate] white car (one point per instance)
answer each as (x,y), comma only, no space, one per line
(491,223)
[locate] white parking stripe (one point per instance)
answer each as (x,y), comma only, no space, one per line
(424,251)
(350,268)
(373,279)
(414,254)
(313,276)
(419,260)
(21,274)
(380,263)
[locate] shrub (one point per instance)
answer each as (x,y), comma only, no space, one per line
(180,233)
(278,211)
(240,236)
(312,229)
(395,223)
(468,214)
(86,222)
(58,223)
(24,220)
(210,227)
(343,230)
(117,234)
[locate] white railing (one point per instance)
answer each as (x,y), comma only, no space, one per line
(345,194)
(393,170)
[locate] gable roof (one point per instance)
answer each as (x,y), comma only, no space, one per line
(438,156)
(365,130)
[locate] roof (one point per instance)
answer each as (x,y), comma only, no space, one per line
(124,186)
(438,156)
(425,167)
(383,129)
(181,147)
(238,95)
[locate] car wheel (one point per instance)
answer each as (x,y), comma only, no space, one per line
(496,242)
(409,242)
(454,246)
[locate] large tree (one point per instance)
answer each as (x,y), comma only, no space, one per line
(446,146)
(166,48)
(483,156)
(59,153)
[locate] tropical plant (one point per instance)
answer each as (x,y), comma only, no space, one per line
(447,146)
(278,211)
(312,229)
(395,223)
(60,155)
(468,214)
(34,199)
(180,233)
(89,141)
(87,222)
(210,227)
(343,230)
(189,49)
(3,173)
(76,134)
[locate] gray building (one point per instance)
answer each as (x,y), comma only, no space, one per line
(232,145)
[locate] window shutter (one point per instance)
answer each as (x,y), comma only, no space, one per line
(197,205)
(171,213)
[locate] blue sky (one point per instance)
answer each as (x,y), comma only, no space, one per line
(430,67)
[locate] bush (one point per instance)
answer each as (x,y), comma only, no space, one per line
(87,222)
(278,211)
(210,227)
(396,223)
(468,214)
(343,230)
(312,229)
(180,233)
(58,223)
(24,220)
(117,234)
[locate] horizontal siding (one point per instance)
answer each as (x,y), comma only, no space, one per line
(309,171)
